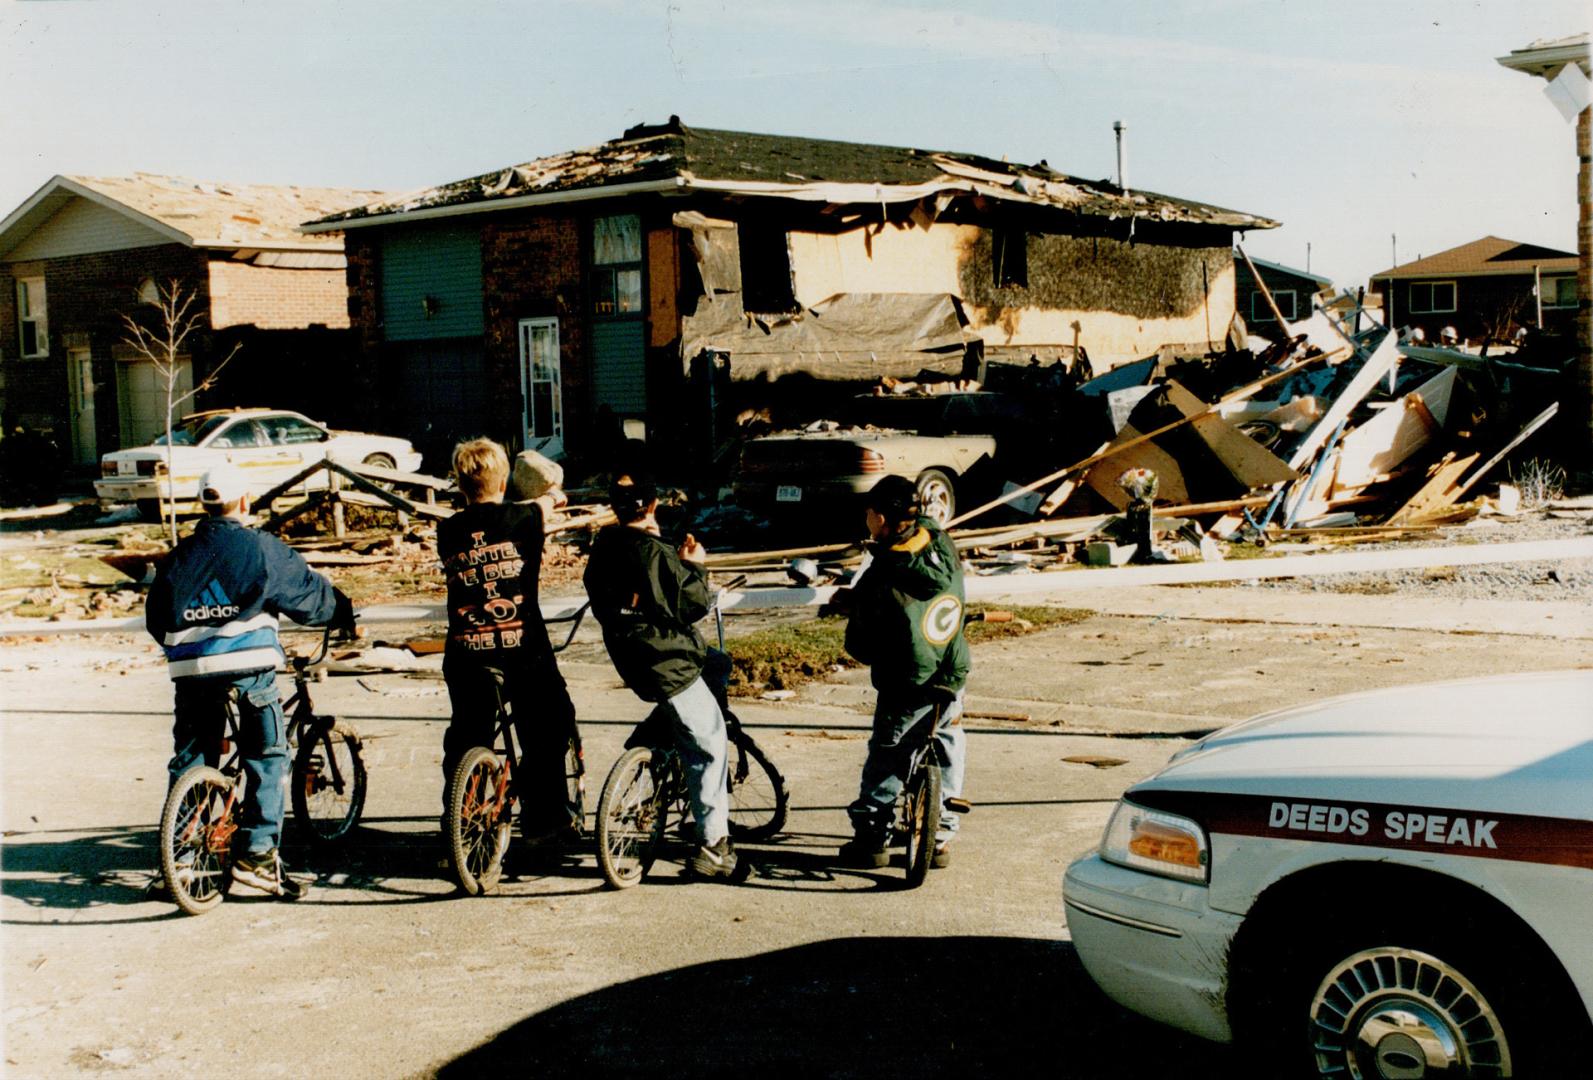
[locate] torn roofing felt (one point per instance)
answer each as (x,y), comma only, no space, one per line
(674,157)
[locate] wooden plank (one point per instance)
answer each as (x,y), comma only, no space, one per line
(1250,463)
(392,498)
(1137,453)
(360,498)
(1246,391)
(1522,436)
(275,520)
(409,479)
(266,498)
(1440,491)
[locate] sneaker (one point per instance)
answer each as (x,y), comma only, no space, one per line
(264,871)
(941,858)
(716,860)
(865,852)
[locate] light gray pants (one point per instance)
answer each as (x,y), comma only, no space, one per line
(700,738)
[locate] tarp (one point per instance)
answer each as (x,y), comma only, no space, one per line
(847,336)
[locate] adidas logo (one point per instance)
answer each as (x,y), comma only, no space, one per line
(211,603)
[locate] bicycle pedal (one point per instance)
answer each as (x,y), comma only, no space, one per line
(959,806)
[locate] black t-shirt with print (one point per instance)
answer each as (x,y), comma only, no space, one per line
(491,555)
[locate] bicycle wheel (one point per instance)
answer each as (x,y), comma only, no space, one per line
(480,812)
(922,811)
(758,798)
(630,817)
(575,781)
(328,782)
(196,830)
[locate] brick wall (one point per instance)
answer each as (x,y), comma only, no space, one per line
(276,298)
(531,268)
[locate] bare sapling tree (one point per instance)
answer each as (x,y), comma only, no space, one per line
(161,338)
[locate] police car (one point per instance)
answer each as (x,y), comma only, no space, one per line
(1397,883)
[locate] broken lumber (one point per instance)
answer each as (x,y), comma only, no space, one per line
(1441,490)
(1522,436)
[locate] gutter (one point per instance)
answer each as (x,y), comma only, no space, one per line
(551,198)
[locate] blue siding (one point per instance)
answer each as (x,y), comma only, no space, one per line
(619,366)
(444,263)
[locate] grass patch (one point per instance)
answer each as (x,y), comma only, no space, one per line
(785,657)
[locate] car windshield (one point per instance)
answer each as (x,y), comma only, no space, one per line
(193,430)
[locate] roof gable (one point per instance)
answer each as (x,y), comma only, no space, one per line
(177,210)
(81,227)
(1490,255)
(675,158)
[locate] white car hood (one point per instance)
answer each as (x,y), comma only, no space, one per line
(1512,744)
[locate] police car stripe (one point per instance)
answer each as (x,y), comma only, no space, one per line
(231,629)
(1399,826)
(246,660)
(255,639)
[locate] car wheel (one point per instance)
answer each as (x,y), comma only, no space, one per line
(937,495)
(381,461)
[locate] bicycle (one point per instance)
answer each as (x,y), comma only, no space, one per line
(481,795)
(199,819)
(919,806)
(647,784)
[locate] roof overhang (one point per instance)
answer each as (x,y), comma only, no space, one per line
(1546,61)
(674,185)
(56,193)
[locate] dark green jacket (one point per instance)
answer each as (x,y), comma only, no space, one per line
(907,611)
(646,599)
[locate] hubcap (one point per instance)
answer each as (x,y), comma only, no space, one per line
(936,500)
(1398,1014)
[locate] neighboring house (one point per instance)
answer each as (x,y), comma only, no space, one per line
(1292,289)
(549,302)
(1485,289)
(82,251)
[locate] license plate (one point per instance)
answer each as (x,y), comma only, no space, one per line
(787,493)
(127,468)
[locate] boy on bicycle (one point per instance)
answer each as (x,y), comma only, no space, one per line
(905,622)
(646,594)
(213,607)
(498,648)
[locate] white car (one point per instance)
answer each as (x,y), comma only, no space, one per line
(270,445)
(1397,883)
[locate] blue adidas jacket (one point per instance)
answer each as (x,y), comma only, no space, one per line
(216,598)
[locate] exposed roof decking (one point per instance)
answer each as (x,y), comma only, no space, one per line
(680,159)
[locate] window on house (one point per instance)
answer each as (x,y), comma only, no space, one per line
(765,256)
(1559,292)
(1427,297)
(33,333)
(1260,312)
(1009,258)
(617,265)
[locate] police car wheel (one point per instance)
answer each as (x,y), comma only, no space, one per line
(937,495)
(1388,1012)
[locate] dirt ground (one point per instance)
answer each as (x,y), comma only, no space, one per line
(384,971)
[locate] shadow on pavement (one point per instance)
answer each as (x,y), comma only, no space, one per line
(856,1007)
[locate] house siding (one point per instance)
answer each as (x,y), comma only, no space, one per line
(440,263)
(1495,305)
(82,227)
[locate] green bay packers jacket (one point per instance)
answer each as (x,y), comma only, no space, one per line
(907,612)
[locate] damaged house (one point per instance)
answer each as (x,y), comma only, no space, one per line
(83,252)
(562,301)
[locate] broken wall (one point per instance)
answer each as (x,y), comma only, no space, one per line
(273,298)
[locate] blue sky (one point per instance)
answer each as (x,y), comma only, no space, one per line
(1348,121)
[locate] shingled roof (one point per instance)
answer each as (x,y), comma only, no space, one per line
(198,213)
(675,158)
(1488,256)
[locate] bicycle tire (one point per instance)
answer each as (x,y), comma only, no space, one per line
(575,782)
(922,795)
(759,801)
(631,815)
(478,821)
(323,812)
(197,824)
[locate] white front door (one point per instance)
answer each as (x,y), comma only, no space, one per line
(80,394)
(540,387)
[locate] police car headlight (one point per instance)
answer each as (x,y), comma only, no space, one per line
(1156,842)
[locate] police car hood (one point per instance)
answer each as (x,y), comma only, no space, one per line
(1519,744)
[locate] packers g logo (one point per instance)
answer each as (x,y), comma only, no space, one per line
(942,620)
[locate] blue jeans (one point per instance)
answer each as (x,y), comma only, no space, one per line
(699,729)
(262,747)
(896,714)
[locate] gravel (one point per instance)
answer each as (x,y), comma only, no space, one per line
(1570,579)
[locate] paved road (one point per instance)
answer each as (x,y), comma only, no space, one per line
(381,971)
